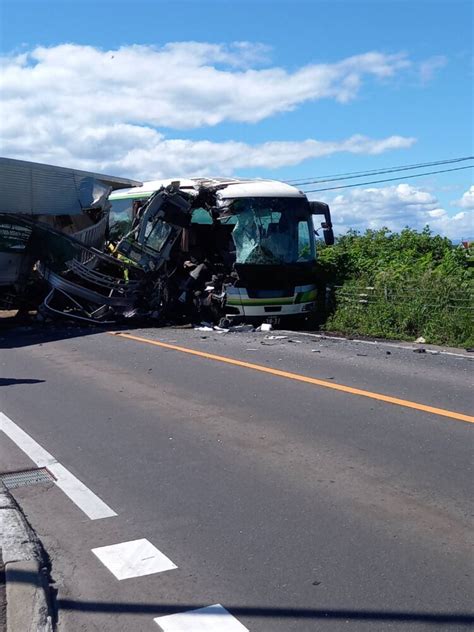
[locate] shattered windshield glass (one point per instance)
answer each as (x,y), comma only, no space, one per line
(272,231)
(156,234)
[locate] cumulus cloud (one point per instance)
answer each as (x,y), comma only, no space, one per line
(395,207)
(181,85)
(144,153)
(109,110)
(467,199)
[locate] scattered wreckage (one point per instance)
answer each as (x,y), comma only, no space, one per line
(45,211)
(214,250)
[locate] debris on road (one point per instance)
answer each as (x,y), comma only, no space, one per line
(242,328)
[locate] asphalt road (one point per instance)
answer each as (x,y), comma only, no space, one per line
(296,506)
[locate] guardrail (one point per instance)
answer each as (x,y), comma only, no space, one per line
(366,295)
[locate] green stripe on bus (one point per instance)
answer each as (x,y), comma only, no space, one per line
(306,297)
(135,196)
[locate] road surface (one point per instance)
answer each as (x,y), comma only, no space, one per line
(264,475)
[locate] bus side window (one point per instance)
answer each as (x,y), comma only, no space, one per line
(137,205)
(122,213)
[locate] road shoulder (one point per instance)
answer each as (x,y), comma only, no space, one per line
(26,571)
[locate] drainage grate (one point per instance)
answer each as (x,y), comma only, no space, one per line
(26,477)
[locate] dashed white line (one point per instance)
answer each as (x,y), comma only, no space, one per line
(82,496)
(133,559)
(210,619)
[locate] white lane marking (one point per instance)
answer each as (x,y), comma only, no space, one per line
(211,619)
(133,559)
(382,343)
(80,495)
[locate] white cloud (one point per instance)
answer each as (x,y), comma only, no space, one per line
(395,207)
(467,199)
(143,153)
(80,106)
(181,85)
(428,67)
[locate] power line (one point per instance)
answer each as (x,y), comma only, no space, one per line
(360,174)
(415,175)
(377,171)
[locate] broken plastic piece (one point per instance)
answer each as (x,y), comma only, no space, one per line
(241,328)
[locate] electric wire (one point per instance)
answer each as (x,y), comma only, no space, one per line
(350,175)
(415,175)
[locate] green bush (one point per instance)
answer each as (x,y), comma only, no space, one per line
(419,285)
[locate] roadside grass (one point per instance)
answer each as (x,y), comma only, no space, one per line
(400,286)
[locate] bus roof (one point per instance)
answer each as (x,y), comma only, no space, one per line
(227,188)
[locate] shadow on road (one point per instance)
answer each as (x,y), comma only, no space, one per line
(157,609)
(11,381)
(162,609)
(14,335)
(26,336)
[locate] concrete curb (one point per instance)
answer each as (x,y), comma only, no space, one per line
(26,574)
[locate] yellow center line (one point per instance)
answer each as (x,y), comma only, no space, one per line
(303,378)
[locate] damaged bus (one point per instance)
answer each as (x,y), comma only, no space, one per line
(237,250)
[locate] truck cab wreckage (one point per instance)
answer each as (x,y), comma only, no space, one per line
(45,212)
(191,250)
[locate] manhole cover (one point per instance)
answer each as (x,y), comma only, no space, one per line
(26,477)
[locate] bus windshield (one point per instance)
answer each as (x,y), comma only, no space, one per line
(271,231)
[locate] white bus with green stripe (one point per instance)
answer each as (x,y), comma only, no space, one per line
(270,247)
(258,303)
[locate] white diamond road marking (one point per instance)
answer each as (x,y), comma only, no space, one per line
(133,559)
(210,619)
(80,495)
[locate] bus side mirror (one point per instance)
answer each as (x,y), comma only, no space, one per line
(320,208)
(328,235)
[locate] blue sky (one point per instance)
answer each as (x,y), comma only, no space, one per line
(255,88)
